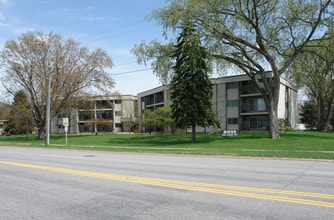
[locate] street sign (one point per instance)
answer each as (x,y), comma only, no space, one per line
(65,122)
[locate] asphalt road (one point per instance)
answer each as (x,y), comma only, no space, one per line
(67,184)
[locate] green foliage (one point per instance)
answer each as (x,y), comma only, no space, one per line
(160,56)
(164,118)
(313,70)
(161,117)
(149,120)
(21,118)
(4,111)
(309,114)
(283,124)
(191,88)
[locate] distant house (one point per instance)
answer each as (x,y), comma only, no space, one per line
(3,125)
(236,101)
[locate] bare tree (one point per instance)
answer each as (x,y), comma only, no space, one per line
(74,71)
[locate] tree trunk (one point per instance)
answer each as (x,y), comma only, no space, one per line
(273,124)
(272,109)
(328,114)
(41,133)
(193,133)
(320,115)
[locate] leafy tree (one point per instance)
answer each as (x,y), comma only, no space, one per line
(260,38)
(21,118)
(164,118)
(149,120)
(309,114)
(160,55)
(4,111)
(191,88)
(74,71)
(313,70)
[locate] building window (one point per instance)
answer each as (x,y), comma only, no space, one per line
(103,104)
(232,85)
(149,100)
(258,123)
(84,116)
(159,97)
(232,121)
(249,87)
(257,105)
(83,127)
(232,103)
(106,115)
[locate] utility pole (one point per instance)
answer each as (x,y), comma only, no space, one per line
(48,103)
(45,40)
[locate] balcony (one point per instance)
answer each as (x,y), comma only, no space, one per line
(253,106)
(248,88)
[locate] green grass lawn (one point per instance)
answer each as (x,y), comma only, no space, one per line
(317,145)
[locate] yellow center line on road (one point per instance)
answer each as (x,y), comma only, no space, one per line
(297,197)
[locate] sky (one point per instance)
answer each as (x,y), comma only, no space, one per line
(113,25)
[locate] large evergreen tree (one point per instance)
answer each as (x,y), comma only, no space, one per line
(191,88)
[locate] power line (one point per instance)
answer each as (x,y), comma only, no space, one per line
(133,71)
(123,64)
(112,29)
(117,35)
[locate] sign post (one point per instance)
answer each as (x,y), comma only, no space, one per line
(65,124)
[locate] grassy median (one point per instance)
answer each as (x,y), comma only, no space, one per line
(316,145)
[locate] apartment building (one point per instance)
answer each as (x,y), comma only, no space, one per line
(240,106)
(236,101)
(100,114)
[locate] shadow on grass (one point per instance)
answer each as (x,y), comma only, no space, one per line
(18,138)
(150,140)
(137,140)
(179,139)
(132,139)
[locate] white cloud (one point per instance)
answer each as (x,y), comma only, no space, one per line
(6,2)
(75,9)
(2,16)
